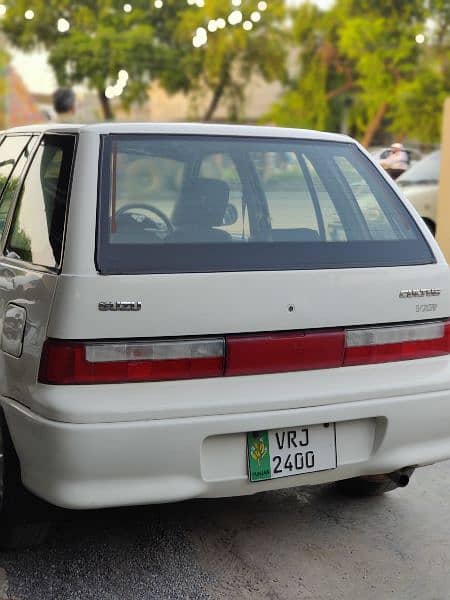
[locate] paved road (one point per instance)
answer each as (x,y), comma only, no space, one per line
(306,544)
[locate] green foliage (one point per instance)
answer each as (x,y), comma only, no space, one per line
(419,107)
(21,241)
(102,40)
(232,55)
(361,68)
(151,44)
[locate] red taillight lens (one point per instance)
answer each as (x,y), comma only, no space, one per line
(282,352)
(389,344)
(77,363)
(120,362)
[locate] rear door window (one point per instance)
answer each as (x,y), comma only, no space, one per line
(11,188)
(201,203)
(37,229)
(10,150)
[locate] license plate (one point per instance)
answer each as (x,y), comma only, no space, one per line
(286,452)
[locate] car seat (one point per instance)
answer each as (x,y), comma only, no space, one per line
(199,211)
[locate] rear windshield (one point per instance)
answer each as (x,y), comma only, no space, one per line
(204,203)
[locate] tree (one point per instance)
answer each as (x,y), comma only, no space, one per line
(150,43)
(233,53)
(102,40)
(360,63)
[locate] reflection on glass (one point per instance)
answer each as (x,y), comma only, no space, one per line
(36,234)
(10,151)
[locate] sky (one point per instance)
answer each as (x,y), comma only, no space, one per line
(38,75)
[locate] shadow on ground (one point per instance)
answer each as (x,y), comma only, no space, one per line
(302,543)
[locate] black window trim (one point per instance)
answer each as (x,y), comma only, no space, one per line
(198,250)
(7,229)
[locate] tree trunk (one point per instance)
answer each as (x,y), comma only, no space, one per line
(108,114)
(374,124)
(218,92)
(345,87)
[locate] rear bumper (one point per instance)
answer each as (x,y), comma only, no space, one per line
(89,465)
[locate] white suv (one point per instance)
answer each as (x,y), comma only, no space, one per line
(198,311)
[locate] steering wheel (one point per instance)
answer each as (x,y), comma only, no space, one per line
(138,220)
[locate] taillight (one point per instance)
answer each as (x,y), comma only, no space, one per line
(282,352)
(162,360)
(77,363)
(389,344)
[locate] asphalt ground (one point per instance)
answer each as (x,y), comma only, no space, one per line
(303,543)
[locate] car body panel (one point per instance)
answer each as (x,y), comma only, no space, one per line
(221,303)
(152,461)
(106,403)
(33,291)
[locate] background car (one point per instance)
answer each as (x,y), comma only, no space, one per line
(420,184)
(380,153)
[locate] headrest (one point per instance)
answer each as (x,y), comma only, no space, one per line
(202,204)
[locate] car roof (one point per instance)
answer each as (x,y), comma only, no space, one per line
(42,128)
(183,128)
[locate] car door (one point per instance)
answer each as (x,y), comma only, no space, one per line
(32,254)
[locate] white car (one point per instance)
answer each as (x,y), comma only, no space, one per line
(420,184)
(195,311)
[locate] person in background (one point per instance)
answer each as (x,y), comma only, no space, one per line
(64,105)
(397,162)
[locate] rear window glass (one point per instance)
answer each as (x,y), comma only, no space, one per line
(205,203)
(10,150)
(37,228)
(11,188)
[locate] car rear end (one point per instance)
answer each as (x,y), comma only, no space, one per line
(248,309)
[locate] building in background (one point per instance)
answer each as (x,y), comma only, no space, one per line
(258,98)
(17,104)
